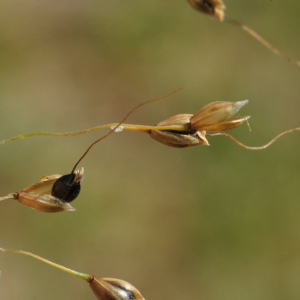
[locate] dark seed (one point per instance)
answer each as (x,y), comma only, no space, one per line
(128,294)
(66,188)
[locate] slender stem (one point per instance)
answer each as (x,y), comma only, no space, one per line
(263,41)
(146,128)
(255,148)
(10,196)
(86,277)
(141,128)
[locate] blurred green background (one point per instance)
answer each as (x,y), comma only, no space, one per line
(207,223)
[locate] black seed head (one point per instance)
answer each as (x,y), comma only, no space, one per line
(67,187)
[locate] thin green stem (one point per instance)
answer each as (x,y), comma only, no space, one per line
(141,128)
(86,277)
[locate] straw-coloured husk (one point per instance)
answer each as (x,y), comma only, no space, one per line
(114,289)
(214,8)
(214,117)
(218,116)
(39,196)
(179,139)
(44,202)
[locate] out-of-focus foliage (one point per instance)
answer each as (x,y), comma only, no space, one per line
(211,223)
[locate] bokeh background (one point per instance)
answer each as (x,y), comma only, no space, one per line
(207,223)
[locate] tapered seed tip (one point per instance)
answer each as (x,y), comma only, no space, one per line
(240,104)
(70,208)
(237,106)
